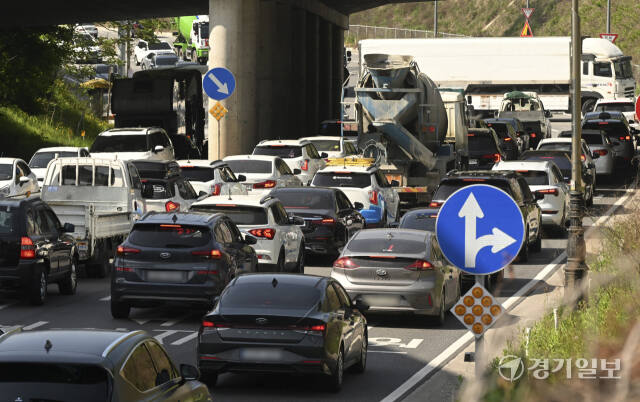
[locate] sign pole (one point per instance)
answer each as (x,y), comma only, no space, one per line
(479,344)
(608,16)
(219,140)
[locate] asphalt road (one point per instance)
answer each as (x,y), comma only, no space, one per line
(399,345)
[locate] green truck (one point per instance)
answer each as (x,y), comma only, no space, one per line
(193,38)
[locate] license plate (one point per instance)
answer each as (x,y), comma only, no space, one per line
(83,246)
(261,355)
(165,276)
(473,161)
(383,300)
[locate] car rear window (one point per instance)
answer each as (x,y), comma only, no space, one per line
(305,199)
(327,145)
(592,139)
(531,126)
(612,128)
(535,177)
(250,166)
(169,235)
(157,189)
(166,61)
(555,146)
(419,221)
(388,244)
(563,163)
(283,151)
(264,295)
(448,187)
(481,145)
(500,129)
(196,173)
(8,219)
(54,381)
(120,143)
(42,159)
(238,214)
(615,107)
(6,172)
(342,179)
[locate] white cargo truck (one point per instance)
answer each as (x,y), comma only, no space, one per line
(487,68)
(101,198)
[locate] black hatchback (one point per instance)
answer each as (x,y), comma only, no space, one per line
(283,323)
(484,149)
(178,258)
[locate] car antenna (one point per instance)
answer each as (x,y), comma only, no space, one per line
(274,282)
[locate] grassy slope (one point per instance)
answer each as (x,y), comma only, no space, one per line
(551,18)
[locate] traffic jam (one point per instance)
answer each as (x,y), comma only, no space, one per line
(330,258)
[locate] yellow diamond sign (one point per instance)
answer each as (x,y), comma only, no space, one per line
(218,111)
(478,310)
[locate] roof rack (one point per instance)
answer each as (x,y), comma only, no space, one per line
(352,161)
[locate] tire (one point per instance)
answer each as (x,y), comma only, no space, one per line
(299,268)
(101,268)
(280,266)
(523,256)
(334,381)
(536,247)
(69,284)
(120,310)
(38,287)
(194,55)
(589,201)
(441,317)
(210,378)
(361,365)
(136,60)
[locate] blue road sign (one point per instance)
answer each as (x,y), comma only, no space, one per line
(219,83)
(480,229)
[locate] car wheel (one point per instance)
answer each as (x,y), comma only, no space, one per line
(194,55)
(38,288)
(536,247)
(335,379)
(210,378)
(361,366)
(280,264)
(101,268)
(524,251)
(300,265)
(589,201)
(587,105)
(120,309)
(68,285)
(440,318)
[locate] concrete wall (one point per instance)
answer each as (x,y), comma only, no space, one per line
(287,59)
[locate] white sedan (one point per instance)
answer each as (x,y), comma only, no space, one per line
(214,178)
(263,173)
(16,178)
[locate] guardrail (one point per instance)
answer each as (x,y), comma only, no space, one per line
(359,32)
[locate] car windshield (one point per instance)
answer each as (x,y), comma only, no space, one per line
(535,177)
(166,61)
(615,107)
(419,220)
(40,160)
(388,243)
(500,129)
(204,30)
(250,166)
(623,68)
(160,46)
(448,187)
(240,215)
(8,219)
(120,143)
(6,171)
(283,151)
(555,146)
(54,381)
(266,295)
(327,145)
(342,179)
(305,199)
(613,129)
(481,145)
(197,173)
(169,235)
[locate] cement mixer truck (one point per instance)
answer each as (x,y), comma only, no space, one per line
(192,42)
(415,131)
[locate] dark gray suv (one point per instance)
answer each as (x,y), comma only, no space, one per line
(178,258)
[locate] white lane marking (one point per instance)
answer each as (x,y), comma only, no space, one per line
(164,334)
(174,321)
(106,298)
(397,342)
(386,351)
(2,306)
(141,321)
(445,356)
(35,325)
(185,339)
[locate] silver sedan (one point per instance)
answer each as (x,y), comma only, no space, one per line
(599,144)
(398,270)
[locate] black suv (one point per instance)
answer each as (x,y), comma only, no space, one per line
(484,149)
(510,182)
(509,140)
(35,249)
(178,257)
(617,128)
(151,169)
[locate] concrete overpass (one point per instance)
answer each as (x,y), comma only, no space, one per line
(286,55)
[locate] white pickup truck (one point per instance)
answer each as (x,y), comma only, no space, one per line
(101,197)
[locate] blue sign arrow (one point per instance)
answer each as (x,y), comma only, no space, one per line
(493,229)
(219,83)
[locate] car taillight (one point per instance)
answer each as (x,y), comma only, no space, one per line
(435,204)
(494,157)
(507,139)
(625,138)
(207,272)
(552,191)
(216,189)
(122,251)
(304,165)
(211,324)
(209,254)
(325,221)
(27,249)
(419,265)
(345,262)
(124,269)
(265,184)
(315,328)
(601,152)
(373,197)
(582,158)
(171,206)
(263,233)
(532,135)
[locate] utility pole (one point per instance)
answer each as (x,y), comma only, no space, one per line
(576,269)
(608,16)
(435,19)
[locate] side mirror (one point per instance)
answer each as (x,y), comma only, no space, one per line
(595,155)
(547,113)
(360,305)
(297,171)
(241,178)
(158,148)
(202,195)
(24,179)
(538,196)
(296,220)
(358,205)
(395,183)
(324,155)
(68,228)
(189,372)
(250,240)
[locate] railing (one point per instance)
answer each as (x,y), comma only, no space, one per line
(356,33)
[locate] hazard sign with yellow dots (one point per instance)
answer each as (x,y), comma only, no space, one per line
(218,111)
(477,310)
